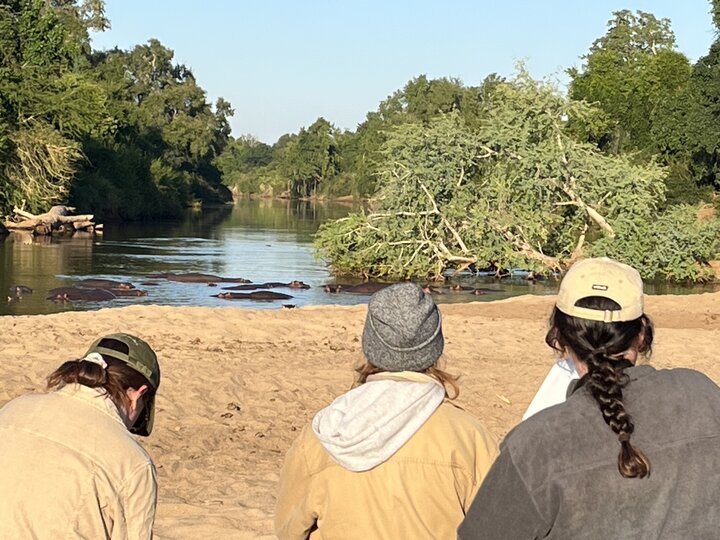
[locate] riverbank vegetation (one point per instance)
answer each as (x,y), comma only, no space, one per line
(515,173)
(121,134)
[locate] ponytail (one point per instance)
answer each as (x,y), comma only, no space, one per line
(110,375)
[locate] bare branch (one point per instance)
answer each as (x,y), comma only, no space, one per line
(594,214)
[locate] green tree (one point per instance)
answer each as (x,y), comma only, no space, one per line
(45,104)
(241,161)
(697,116)
(631,73)
(310,159)
(517,189)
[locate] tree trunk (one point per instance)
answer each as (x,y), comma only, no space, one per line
(54,219)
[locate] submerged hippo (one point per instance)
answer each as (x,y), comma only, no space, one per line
(459,288)
(332,288)
(65,294)
(365,288)
(104,284)
(480,291)
(19,290)
(271,285)
(369,287)
(194,277)
(127,292)
(255,295)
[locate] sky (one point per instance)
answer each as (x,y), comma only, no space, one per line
(284,63)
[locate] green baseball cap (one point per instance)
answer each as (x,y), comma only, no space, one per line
(142,359)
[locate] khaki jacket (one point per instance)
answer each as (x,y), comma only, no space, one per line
(71,469)
(422,491)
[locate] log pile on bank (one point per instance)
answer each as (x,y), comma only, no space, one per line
(56,220)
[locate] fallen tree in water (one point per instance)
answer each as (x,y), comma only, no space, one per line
(57,219)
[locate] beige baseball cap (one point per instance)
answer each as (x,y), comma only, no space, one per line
(602,277)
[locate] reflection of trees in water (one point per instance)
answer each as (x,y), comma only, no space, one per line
(285,214)
(36,262)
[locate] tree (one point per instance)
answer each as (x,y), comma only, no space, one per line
(310,159)
(698,115)
(630,73)
(516,190)
(241,162)
(45,104)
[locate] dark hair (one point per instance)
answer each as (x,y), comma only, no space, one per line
(446,379)
(114,380)
(600,346)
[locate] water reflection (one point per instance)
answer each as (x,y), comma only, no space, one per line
(260,240)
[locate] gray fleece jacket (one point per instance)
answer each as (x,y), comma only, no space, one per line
(557,476)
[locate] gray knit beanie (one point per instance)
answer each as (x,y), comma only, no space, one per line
(403,329)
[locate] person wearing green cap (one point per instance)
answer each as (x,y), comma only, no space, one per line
(71,468)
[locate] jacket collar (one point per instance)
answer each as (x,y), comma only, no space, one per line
(94,397)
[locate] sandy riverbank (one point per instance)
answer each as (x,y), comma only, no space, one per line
(238,383)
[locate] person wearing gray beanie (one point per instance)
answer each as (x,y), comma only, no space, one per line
(411,459)
(403,329)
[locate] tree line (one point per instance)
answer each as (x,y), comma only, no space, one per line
(125,134)
(649,103)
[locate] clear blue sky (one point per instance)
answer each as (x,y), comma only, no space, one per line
(284,63)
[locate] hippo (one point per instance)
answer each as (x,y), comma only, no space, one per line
(255,295)
(457,288)
(194,277)
(65,294)
(332,288)
(480,291)
(127,292)
(365,288)
(369,287)
(104,284)
(19,290)
(271,285)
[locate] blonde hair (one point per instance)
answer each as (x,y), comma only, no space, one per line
(446,379)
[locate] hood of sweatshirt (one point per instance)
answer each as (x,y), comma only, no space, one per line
(366,426)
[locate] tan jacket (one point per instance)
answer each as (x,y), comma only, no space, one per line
(422,491)
(71,469)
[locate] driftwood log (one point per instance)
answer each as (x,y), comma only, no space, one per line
(57,219)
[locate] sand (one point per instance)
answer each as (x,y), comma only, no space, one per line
(238,384)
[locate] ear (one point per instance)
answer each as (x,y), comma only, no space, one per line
(134,396)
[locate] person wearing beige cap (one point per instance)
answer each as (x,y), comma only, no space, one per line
(392,458)
(70,467)
(633,452)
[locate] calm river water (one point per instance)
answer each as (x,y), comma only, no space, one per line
(260,240)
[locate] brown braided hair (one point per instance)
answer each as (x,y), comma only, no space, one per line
(600,346)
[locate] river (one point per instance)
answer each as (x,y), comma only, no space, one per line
(259,240)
